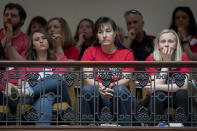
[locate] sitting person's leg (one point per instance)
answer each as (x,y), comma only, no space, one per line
(5,100)
(89,98)
(47,85)
(157,105)
(158,102)
(43,107)
(181,104)
(124,99)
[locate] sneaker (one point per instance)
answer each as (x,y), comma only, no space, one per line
(109,124)
(176,125)
(162,124)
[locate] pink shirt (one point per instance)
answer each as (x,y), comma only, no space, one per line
(52,70)
(15,76)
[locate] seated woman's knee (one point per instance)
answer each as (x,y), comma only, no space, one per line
(181,94)
(120,90)
(89,88)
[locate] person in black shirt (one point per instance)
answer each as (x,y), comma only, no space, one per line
(137,40)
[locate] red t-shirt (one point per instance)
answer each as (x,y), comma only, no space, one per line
(193,47)
(20,42)
(193,43)
(157,70)
(97,54)
(72,52)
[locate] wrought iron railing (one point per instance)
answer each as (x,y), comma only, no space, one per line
(135,107)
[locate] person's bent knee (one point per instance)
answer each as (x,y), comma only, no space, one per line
(181,94)
(122,92)
(120,89)
(89,89)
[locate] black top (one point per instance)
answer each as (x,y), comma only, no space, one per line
(142,49)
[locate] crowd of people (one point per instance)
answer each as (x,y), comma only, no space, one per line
(101,40)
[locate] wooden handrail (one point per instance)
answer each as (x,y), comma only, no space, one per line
(140,64)
(93,128)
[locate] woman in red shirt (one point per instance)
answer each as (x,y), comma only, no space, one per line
(109,90)
(59,31)
(168,48)
(184,23)
(85,35)
(44,83)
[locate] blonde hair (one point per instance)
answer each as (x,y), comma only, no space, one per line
(177,52)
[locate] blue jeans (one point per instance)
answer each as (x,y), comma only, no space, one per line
(44,95)
(95,108)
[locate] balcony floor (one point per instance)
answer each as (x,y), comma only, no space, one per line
(92,128)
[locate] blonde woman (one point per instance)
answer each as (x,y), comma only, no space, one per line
(167,48)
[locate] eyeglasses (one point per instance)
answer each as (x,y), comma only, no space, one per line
(133,11)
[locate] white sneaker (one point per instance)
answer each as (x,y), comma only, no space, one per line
(176,125)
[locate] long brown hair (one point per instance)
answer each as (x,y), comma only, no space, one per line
(65,31)
(31,53)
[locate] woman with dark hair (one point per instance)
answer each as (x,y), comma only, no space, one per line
(107,48)
(43,94)
(38,22)
(183,22)
(184,13)
(59,31)
(33,53)
(85,35)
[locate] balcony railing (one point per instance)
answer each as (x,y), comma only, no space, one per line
(134,107)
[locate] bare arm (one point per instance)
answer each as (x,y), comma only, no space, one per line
(80,42)
(88,72)
(10,50)
(13,54)
(190,54)
(183,35)
(131,36)
(159,84)
(106,92)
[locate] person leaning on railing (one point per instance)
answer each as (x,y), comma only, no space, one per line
(106,48)
(40,48)
(167,48)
